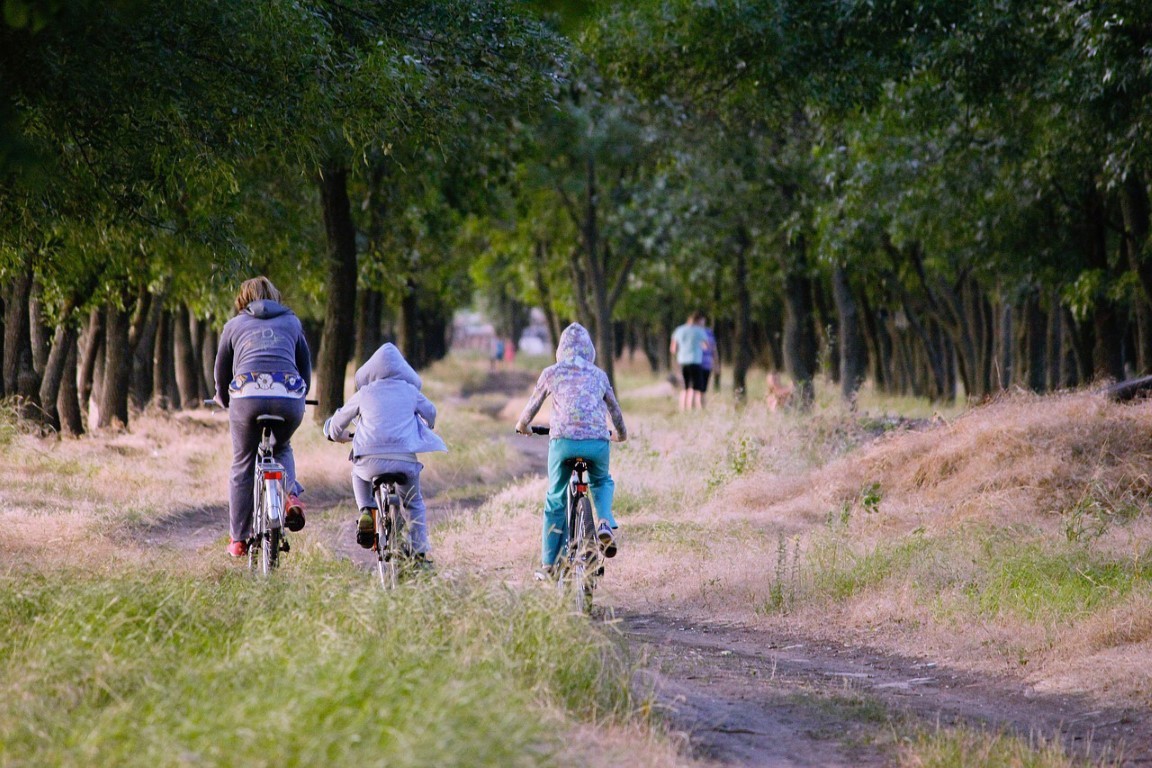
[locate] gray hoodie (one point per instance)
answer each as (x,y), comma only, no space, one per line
(390,414)
(265,337)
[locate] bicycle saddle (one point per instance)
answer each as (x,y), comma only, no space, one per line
(268,418)
(389,477)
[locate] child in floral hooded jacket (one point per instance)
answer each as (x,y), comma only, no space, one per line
(582,402)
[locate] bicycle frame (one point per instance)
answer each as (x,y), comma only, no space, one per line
(269,537)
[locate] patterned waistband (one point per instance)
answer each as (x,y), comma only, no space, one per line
(267,385)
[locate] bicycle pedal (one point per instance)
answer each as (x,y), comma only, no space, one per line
(285,546)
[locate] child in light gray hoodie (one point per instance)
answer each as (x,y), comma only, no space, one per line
(393,422)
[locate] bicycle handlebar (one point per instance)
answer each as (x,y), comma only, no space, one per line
(544,429)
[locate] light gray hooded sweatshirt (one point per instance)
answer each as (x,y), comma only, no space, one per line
(391,416)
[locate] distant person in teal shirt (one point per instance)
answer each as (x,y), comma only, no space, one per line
(688,344)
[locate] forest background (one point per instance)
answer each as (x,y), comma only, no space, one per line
(944,198)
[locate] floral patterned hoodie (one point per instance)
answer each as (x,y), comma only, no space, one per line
(582,398)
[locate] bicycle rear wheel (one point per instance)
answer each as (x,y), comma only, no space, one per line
(583,556)
(267,539)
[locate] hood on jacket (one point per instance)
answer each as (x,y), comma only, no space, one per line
(387,363)
(265,308)
(575,342)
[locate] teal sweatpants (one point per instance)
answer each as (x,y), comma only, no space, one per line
(561,453)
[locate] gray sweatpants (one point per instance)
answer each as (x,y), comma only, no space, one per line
(366,468)
(242,413)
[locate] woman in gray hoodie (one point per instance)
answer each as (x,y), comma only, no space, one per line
(263,366)
(393,421)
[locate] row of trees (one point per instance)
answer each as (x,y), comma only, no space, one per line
(939,196)
(157,154)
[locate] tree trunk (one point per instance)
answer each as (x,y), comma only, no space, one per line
(208,344)
(186,358)
(63,344)
(1107,356)
(117,367)
(853,354)
(407,327)
(800,352)
(1036,328)
(145,326)
(19,371)
(93,349)
(340,287)
(545,290)
(1005,346)
(68,396)
(39,335)
(164,393)
(1055,343)
(369,309)
(742,347)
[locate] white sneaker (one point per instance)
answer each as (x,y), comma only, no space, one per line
(607,539)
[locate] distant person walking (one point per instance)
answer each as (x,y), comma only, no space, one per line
(708,359)
(688,343)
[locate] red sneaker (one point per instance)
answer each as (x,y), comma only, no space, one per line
(294,513)
(238,549)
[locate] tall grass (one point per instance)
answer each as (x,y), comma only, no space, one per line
(314,668)
(969,748)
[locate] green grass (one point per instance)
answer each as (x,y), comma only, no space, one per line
(315,667)
(969,748)
(980,572)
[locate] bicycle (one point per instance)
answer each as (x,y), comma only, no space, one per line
(582,564)
(392,529)
(269,536)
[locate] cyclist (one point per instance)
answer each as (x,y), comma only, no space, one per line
(582,401)
(393,422)
(263,366)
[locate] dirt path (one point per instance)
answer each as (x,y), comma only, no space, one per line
(752,697)
(747,697)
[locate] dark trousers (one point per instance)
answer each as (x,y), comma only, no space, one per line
(242,413)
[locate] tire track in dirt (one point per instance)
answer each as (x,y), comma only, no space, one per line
(745,696)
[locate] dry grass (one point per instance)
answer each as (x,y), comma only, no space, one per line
(913,540)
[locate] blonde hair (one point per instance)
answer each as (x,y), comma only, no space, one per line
(256,289)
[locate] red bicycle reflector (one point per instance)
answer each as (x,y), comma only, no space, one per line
(273,475)
(582,488)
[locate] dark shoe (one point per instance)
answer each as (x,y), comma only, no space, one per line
(294,513)
(238,549)
(422,563)
(607,540)
(366,528)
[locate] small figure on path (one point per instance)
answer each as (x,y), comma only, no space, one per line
(688,343)
(393,421)
(582,402)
